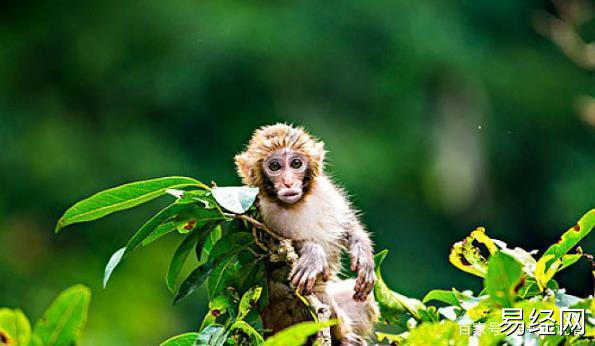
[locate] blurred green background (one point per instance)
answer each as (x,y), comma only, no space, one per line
(439,116)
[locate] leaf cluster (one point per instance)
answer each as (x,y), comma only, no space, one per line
(60,325)
(229,255)
(220,225)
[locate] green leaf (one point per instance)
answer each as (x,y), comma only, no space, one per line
(15,328)
(249,299)
(555,258)
(160,231)
(503,277)
(444,296)
(111,265)
(213,335)
(62,322)
(225,260)
(120,198)
(193,281)
(438,333)
(297,334)
(179,258)
(203,250)
(149,226)
(570,238)
(391,303)
(196,217)
(393,339)
(237,199)
(249,331)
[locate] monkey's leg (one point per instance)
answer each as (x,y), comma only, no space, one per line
(355,319)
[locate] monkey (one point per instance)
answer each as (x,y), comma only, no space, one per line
(300,202)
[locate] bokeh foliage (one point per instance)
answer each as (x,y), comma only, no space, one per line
(439,117)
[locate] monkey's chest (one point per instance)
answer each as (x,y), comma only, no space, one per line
(304,226)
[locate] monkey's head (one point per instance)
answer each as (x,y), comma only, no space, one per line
(283,161)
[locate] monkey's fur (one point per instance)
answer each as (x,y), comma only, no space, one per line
(299,202)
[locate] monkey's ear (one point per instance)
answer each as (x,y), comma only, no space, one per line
(320,153)
(320,150)
(243,165)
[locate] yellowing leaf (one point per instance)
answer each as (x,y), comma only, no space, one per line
(297,334)
(465,256)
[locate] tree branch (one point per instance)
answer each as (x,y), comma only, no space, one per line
(287,252)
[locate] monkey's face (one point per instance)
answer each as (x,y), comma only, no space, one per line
(286,171)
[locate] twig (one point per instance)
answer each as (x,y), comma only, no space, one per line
(256,223)
(323,313)
(258,242)
(321,310)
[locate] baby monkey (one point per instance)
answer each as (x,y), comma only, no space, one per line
(299,202)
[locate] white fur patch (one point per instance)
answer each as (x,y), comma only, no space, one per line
(318,217)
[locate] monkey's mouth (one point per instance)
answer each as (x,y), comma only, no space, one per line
(290,195)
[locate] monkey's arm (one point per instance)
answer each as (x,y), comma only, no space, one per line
(362,259)
(312,262)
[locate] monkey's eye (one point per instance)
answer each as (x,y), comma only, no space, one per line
(274,166)
(296,163)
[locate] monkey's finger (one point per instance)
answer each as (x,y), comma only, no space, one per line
(353,263)
(295,279)
(325,274)
(295,269)
(357,296)
(360,280)
(302,285)
(311,282)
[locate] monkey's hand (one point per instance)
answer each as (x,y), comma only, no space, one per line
(362,262)
(312,262)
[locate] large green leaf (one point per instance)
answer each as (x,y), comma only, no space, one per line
(160,231)
(203,249)
(193,281)
(237,199)
(182,252)
(444,296)
(179,258)
(149,226)
(225,260)
(213,335)
(503,277)
(393,304)
(62,322)
(120,198)
(15,328)
(297,334)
